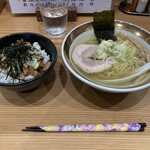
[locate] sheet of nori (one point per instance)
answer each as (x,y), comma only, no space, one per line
(104,25)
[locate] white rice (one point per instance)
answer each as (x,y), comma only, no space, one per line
(5,79)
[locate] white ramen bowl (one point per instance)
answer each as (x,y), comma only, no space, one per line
(74,35)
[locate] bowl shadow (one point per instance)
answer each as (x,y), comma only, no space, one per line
(97,99)
(37,96)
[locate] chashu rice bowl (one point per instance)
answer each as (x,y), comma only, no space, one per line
(26,60)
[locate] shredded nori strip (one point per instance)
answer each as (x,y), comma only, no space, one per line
(103,25)
(15,56)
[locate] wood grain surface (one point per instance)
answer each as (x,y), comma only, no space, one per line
(63,99)
(2,4)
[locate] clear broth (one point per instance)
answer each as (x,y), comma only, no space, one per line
(88,37)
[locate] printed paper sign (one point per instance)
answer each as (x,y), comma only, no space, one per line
(83,6)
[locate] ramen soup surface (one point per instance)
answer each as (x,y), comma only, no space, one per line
(110,60)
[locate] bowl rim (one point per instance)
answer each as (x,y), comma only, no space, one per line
(92,84)
(41,74)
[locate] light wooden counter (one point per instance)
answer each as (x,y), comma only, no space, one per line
(63,99)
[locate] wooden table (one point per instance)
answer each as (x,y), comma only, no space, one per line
(66,100)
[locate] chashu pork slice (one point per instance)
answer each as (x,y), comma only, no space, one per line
(82,57)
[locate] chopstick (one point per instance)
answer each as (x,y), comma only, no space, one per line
(122,127)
